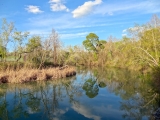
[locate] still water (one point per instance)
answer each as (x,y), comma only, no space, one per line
(95,94)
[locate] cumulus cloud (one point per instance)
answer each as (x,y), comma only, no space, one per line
(86,8)
(33,9)
(57,5)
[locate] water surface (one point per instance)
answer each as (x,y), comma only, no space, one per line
(95,94)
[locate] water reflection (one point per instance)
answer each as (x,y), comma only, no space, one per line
(139,99)
(93,94)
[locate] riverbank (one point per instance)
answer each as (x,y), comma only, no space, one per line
(27,75)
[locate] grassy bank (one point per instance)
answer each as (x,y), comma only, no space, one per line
(27,75)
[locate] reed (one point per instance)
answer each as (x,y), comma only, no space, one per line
(26,75)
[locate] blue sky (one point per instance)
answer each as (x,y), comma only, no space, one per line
(74,19)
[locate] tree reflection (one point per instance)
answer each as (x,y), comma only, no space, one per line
(91,88)
(33,103)
(42,97)
(18,109)
(3,108)
(102,85)
(139,97)
(92,85)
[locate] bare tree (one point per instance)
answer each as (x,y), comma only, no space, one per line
(45,52)
(55,42)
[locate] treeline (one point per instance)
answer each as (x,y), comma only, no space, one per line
(139,49)
(18,49)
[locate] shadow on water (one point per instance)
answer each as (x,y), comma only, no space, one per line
(155,76)
(98,94)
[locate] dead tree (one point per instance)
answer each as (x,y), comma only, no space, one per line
(54,38)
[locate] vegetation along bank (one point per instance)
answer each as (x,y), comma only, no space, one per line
(138,49)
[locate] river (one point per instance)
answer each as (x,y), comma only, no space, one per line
(93,94)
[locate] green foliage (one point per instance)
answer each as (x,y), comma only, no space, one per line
(20,36)
(35,60)
(92,43)
(33,43)
(5,34)
(3,52)
(101,44)
(138,50)
(150,41)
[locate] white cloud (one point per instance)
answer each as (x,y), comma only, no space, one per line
(33,9)
(136,28)
(147,6)
(54,1)
(57,5)
(85,111)
(124,35)
(73,35)
(39,31)
(46,32)
(86,8)
(125,30)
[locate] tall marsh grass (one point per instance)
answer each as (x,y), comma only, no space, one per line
(25,74)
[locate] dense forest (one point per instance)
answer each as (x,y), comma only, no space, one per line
(138,50)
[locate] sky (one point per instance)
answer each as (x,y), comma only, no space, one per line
(75,19)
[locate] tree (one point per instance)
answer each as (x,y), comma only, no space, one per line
(150,41)
(34,49)
(55,42)
(33,43)
(154,22)
(3,52)
(73,55)
(19,38)
(5,34)
(92,43)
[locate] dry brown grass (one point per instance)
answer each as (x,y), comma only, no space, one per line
(26,75)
